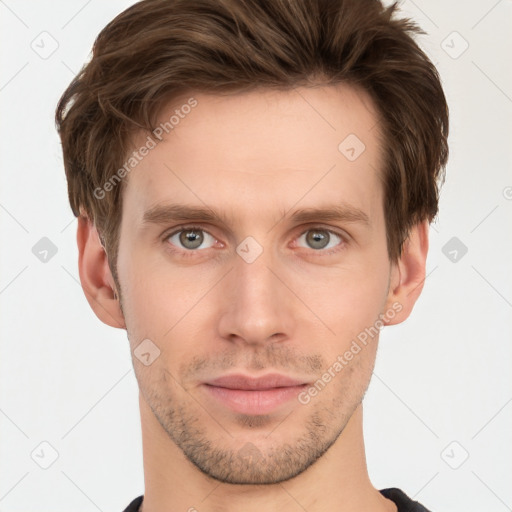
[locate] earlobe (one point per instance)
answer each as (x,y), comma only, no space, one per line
(95,275)
(408,274)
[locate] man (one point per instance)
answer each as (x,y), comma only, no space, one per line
(254,183)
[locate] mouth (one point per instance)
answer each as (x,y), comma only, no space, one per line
(250,395)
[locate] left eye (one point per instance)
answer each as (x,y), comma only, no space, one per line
(190,238)
(321,238)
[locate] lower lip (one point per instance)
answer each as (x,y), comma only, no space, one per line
(262,401)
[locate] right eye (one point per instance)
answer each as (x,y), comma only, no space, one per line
(190,238)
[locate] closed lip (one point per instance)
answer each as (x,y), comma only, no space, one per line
(244,382)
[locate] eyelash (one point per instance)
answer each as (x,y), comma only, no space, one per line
(192,253)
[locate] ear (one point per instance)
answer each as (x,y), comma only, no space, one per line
(408,275)
(95,276)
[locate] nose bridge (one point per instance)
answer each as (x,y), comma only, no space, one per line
(257,305)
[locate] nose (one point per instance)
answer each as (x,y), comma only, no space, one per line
(256,305)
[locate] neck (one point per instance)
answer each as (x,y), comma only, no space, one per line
(337,482)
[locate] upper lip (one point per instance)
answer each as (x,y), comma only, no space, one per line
(239,381)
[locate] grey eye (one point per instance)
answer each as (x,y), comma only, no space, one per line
(320,239)
(190,238)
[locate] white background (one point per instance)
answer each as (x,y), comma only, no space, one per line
(441,380)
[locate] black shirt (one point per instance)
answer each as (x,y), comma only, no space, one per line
(402,501)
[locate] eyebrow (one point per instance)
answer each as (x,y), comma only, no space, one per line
(167,213)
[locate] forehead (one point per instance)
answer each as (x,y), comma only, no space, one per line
(249,150)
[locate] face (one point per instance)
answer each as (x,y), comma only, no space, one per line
(262,283)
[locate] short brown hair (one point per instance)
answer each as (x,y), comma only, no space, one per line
(157,49)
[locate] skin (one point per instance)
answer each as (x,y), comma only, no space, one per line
(257,157)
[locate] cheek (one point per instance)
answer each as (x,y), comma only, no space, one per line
(169,307)
(349,300)
(154,293)
(349,305)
